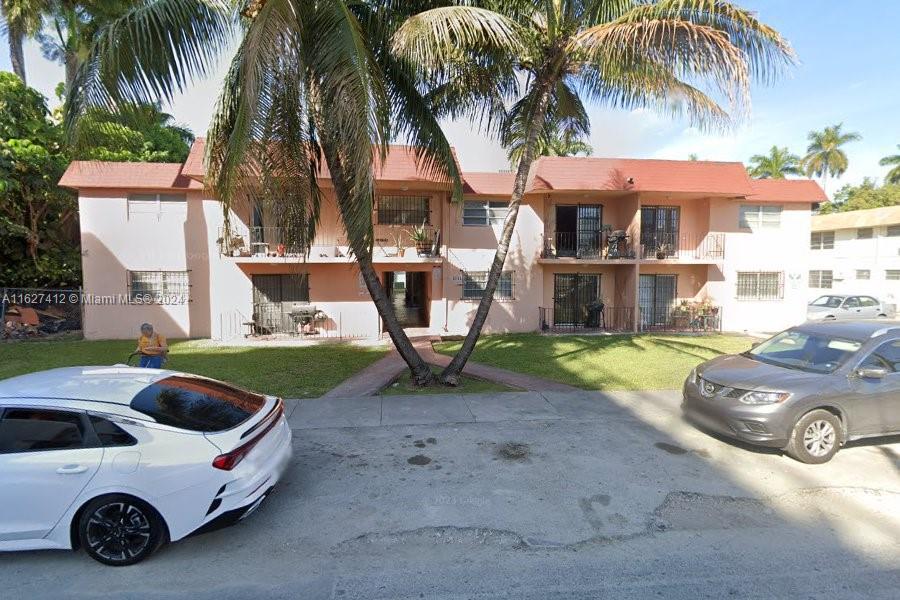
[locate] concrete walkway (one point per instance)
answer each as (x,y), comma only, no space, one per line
(379,374)
(438,409)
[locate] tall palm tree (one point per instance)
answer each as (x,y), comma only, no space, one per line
(893,175)
(824,156)
(777,164)
(21,19)
(558,139)
(622,53)
(312,83)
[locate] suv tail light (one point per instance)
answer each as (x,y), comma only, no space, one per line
(230,460)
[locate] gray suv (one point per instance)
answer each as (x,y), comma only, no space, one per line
(807,390)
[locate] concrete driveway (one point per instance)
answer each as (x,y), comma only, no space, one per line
(527,495)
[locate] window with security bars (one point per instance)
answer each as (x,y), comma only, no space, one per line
(893,231)
(144,286)
(760,216)
(474,283)
(821,240)
(477,213)
(821,279)
(760,286)
(403,210)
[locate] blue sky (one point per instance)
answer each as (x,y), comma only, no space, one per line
(849,72)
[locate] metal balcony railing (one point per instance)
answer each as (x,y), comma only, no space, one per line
(587,245)
(681,318)
(683,246)
(586,319)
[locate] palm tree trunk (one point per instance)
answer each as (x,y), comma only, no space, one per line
(451,373)
(15,37)
(71,65)
(421,372)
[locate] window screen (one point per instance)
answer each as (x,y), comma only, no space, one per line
(821,240)
(893,231)
(892,274)
(157,204)
(196,403)
(760,286)
(760,216)
(474,283)
(30,430)
(863,274)
(477,213)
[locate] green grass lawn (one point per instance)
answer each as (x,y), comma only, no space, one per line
(467,385)
(291,372)
(626,362)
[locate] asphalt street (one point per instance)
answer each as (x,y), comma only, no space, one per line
(526,496)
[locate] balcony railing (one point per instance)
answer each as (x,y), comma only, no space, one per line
(591,318)
(308,322)
(683,246)
(395,241)
(587,245)
(681,318)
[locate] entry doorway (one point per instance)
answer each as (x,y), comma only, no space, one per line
(656,298)
(408,293)
(578,228)
(574,296)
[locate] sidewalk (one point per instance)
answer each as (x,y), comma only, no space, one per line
(379,374)
(377,411)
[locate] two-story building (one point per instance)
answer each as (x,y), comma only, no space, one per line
(661,245)
(857,252)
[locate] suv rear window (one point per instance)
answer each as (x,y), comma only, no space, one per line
(196,403)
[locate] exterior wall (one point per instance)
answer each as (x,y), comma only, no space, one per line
(877,255)
(784,250)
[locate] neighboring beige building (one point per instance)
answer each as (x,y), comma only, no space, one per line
(662,244)
(857,252)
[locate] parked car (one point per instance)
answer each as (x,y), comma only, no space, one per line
(833,307)
(118,460)
(807,390)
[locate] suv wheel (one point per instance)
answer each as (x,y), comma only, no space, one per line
(816,437)
(119,530)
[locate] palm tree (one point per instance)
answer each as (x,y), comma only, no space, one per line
(21,19)
(824,156)
(557,140)
(622,53)
(893,175)
(312,83)
(777,164)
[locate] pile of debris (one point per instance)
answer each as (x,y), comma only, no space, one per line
(20,322)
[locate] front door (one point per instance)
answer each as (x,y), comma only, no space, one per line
(660,230)
(578,230)
(275,297)
(656,299)
(44,466)
(573,294)
(407,290)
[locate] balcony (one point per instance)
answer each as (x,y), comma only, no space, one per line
(683,317)
(271,245)
(594,318)
(683,247)
(588,245)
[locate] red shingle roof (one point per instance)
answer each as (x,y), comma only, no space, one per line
(193,166)
(83,174)
(786,190)
(647,175)
(489,183)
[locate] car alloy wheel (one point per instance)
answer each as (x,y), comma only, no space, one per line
(819,438)
(118,532)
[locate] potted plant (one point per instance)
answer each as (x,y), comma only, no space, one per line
(236,245)
(422,239)
(398,242)
(662,251)
(681,316)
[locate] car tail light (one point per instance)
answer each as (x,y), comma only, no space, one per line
(230,460)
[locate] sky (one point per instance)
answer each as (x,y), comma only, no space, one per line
(848,72)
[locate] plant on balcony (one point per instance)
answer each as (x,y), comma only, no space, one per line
(663,251)
(398,243)
(422,239)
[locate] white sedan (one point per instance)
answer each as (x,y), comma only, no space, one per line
(118,460)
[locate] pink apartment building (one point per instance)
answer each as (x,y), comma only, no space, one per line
(660,244)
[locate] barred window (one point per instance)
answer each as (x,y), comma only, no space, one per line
(477,213)
(821,279)
(760,216)
(760,286)
(863,274)
(892,274)
(821,240)
(474,283)
(156,204)
(146,285)
(864,233)
(403,210)
(893,231)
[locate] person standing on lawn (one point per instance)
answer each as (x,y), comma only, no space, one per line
(152,348)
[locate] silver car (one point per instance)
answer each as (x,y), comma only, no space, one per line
(807,390)
(831,307)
